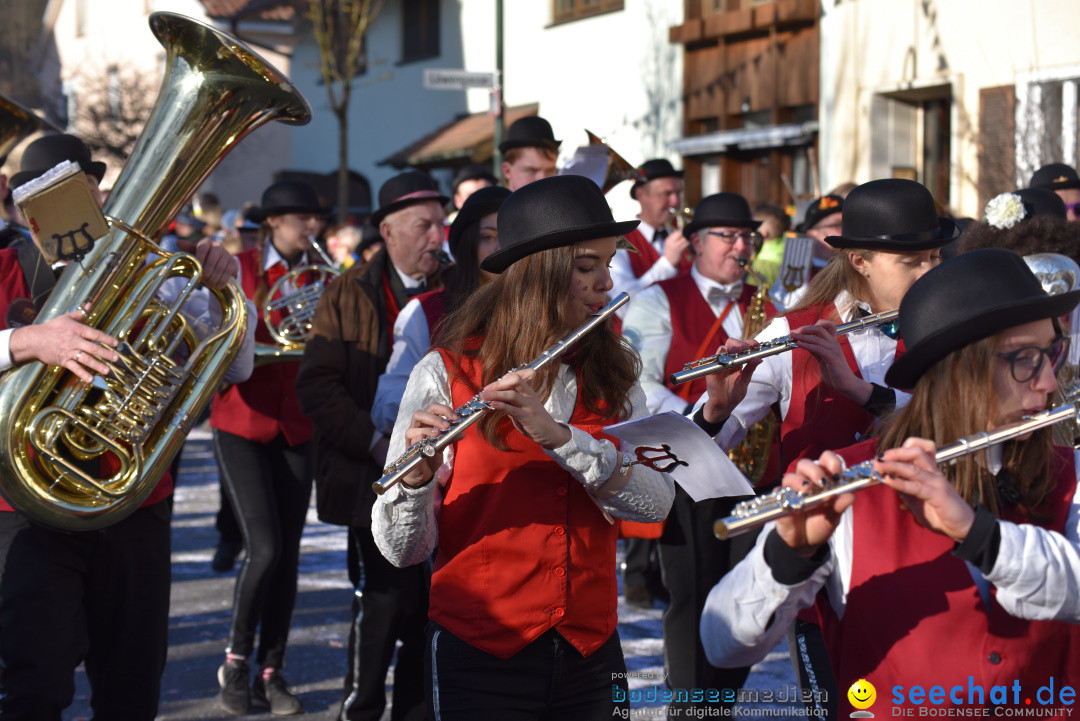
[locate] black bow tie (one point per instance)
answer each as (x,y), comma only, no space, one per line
(891,329)
(422,288)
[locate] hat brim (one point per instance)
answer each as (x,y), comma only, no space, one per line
(380,215)
(695,225)
(919,358)
(511,144)
(96,169)
(258,215)
(460,224)
(502,259)
(946,232)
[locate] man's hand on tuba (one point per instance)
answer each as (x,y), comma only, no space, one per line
(65,341)
(219,266)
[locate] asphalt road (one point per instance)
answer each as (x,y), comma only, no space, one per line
(202,599)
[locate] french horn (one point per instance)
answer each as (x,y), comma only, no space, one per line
(289,310)
(79,456)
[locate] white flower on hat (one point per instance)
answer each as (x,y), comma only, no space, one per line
(1005,210)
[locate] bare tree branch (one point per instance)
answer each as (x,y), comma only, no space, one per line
(339,27)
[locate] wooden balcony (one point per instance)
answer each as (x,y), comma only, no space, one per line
(708,20)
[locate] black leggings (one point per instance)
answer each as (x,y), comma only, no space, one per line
(269,486)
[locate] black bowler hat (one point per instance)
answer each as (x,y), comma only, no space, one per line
(892,214)
(552,213)
(403,190)
(1055,176)
(484,201)
(967,298)
(532,131)
(49,151)
(473,171)
(288,196)
(722,210)
(820,208)
(653,169)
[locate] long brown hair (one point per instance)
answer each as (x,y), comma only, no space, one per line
(956,399)
(522,312)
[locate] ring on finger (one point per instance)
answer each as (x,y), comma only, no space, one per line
(78,354)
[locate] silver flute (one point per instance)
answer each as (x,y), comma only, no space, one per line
(783,501)
(474,409)
(722,361)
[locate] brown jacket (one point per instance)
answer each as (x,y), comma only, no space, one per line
(346,353)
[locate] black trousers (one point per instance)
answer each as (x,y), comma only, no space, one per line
(693,560)
(389,604)
(99,597)
(269,485)
(548,680)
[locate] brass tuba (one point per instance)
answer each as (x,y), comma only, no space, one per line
(60,438)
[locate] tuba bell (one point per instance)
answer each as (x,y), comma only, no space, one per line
(17,122)
(79,456)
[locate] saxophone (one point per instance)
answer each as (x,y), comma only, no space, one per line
(751,456)
(78,456)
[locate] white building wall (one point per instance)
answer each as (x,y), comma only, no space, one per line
(874,46)
(615,74)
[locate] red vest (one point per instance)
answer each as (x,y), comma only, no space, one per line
(433,303)
(820,418)
(691,319)
(522,546)
(13,285)
(915,617)
(647,255)
(265,404)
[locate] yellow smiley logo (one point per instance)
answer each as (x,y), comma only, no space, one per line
(862,694)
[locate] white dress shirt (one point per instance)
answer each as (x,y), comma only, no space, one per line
(404,520)
(647,326)
(622,272)
(874,354)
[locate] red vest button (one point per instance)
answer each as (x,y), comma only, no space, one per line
(560,612)
(560,571)
(560,492)
(559,530)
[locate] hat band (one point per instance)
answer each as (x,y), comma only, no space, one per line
(919,237)
(417,195)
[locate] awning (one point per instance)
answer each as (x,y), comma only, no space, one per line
(770,136)
(467,140)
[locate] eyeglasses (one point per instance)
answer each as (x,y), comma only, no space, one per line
(1025,363)
(1073,208)
(730,236)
